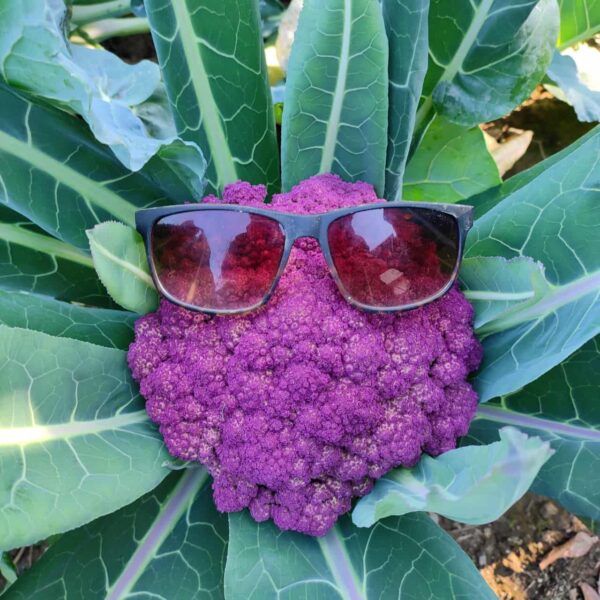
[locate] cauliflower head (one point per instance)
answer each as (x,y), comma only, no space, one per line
(298,407)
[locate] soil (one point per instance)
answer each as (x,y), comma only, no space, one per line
(508,552)
(132,48)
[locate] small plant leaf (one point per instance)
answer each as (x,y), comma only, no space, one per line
(563,72)
(450,163)
(485,57)
(171,543)
(496,285)
(31,261)
(554,219)
(75,440)
(336,105)
(406,28)
(474,485)
(560,407)
(406,557)
(7,570)
(105,327)
(120,260)
(213,63)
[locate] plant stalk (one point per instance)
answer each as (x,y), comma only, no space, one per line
(108,28)
(82,15)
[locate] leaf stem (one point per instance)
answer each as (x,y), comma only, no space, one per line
(82,15)
(108,28)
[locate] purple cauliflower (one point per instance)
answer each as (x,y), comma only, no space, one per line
(298,407)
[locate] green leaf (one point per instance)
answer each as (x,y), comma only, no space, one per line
(57,175)
(336,106)
(579,21)
(104,327)
(450,163)
(474,485)
(32,261)
(213,63)
(485,57)
(120,260)
(270,14)
(7,570)
(408,557)
(563,72)
(487,200)
(170,543)
(406,28)
(554,219)
(495,285)
(35,56)
(561,407)
(75,440)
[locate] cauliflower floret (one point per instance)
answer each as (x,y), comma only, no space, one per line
(297,407)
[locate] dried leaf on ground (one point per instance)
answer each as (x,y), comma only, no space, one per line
(509,151)
(589,593)
(577,546)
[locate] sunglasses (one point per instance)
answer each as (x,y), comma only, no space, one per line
(227,259)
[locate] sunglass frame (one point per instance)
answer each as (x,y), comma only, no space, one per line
(297,226)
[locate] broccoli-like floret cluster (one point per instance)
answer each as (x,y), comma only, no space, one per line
(299,406)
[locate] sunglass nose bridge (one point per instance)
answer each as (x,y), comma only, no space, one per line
(305,226)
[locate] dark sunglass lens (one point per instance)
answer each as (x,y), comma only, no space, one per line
(217,259)
(394,257)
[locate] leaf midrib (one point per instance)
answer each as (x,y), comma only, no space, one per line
(211,119)
(452,68)
(136,271)
(502,415)
(166,519)
(559,296)
(40,434)
(14,234)
(340,565)
(333,123)
(90,190)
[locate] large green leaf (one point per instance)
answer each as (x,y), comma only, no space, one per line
(32,261)
(450,163)
(120,260)
(486,56)
(585,101)
(475,485)
(75,441)
(554,219)
(336,105)
(408,557)
(406,28)
(54,172)
(561,407)
(213,63)
(105,327)
(35,56)
(171,543)
(579,21)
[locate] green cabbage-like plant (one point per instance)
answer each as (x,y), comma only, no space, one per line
(388,92)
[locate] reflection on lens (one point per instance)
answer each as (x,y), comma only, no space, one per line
(393,257)
(217,259)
